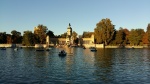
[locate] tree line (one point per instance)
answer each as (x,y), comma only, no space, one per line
(29,38)
(104,32)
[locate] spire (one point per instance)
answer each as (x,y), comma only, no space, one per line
(69,26)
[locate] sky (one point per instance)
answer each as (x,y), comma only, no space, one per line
(83,15)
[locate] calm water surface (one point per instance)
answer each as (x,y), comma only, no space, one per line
(106,66)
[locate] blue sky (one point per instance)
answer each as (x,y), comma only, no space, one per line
(22,15)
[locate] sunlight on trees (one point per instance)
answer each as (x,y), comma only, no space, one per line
(104,31)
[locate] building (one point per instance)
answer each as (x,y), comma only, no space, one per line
(69,39)
(89,40)
(61,41)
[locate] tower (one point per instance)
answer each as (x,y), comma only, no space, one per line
(69,30)
(69,35)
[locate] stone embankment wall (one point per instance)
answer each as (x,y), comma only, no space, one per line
(42,45)
(10,45)
(102,46)
(127,47)
(93,45)
(20,45)
(86,45)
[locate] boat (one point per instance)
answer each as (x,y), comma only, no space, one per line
(39,49)
(83,47)
(62,53)
(93,49)
(15,49)
(3,48)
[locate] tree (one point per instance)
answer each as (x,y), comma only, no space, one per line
(104,31)
(3,37)
(120,36)
(126,32)
(135,36)
(74,36)
(148,31)
(76,41)
(145,38)
(50,33)
(98,35)
(63,35)
(40,33)
(9,40)
(28,38)
(16,36)
(15,33)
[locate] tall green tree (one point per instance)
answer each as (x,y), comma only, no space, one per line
(63,35)
(120,36)
(135,36)
(28,38)
(9,40)
(16,36)
(50,33)
(75,39)
(40,33)
(74,35)
(126,32)
(104,31)
(3,37)
(148,31)
(145,38)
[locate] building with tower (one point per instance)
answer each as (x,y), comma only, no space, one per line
(69,40)
(61,41)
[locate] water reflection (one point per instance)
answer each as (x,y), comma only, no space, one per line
(41,59)
(69,59)
(103,64)
(89,56)
(123,66)
(146,56)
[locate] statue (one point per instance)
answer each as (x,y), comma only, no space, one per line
(69,24)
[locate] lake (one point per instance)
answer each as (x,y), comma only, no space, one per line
(80,66)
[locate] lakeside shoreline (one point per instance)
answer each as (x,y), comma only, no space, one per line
(86,45)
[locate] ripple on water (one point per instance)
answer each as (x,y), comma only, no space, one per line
(105,66)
